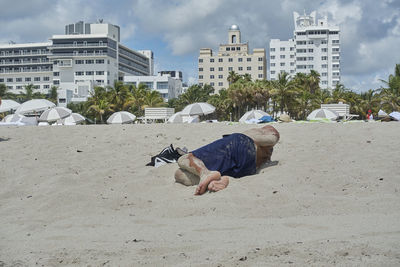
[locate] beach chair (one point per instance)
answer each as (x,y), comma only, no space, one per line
(343,110)
(153,114)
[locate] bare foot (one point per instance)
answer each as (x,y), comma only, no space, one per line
(218,185)
(205,181)
(186,178)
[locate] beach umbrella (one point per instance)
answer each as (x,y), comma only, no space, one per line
(395,115)
(253,114)
(121,117)
(322,113)
(13,118)
(34,105)
(382,113)
(8,105)
(73,119)
(200,108)
(55,114)
(176,118)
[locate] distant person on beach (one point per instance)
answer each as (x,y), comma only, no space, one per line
(235,155)
(370,117)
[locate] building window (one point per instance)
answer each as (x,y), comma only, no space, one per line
(228,49)
(99,72)
(310,66)
(211,60)
(18,87)
(56,82)
(282,49)
(291,63)
(220,84)
(310,50)
(249,59)
(301,50)
(99,61)
(335,49)
(282,64)
(56,73)
(301,42)
(89,61)
(272,49)
(323,42)
(46,86)
(201,84)
(36,79)
(79,73)
(212,84)
(260,59)
(291,56)
(230,59)
(260,76)
(27,79)
(18,80)
(272,72)
(324,74)
(324,49)
(335,41)
(272,57)
(324,82)
(200,76)
(291,71)
(162,85)
(79,61)
(200,69)
(324,66)
(220,69)
(220,76)
(46,79)
(90,73)
(335,74)
(324,58)
(1,80)
(310,42)
(233,48)
(260,67)
(248,68)
(10,80)
(240,59)
(220,60)
(211,69)
(211,76)
(230,68)
(240,68)
(238,48)
(335,66)
(282,56)
(200,60)
(272,64)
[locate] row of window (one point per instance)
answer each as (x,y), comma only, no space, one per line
(212,60)
(324,66)
(24,52)
(260,76)
(231,68)
(81,73)
(310,50)
(312,42)
(27,79)
(233,48)
(21,87)
(272,49)
(89,61)
(312,32)
(312,58)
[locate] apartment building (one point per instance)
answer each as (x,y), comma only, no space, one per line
(315,46)
(233,56)
(87,55)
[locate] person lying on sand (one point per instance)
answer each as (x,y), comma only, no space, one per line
(235,155)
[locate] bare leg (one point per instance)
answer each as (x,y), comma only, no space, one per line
(265,136)
(194,165)
(186,178)
(218,185)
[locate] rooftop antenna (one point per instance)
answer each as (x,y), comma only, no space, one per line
(101,20)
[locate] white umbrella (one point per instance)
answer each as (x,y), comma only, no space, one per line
(382,113)
(34,105)
(13,118)
(73,119)
(121,117)
(54,114)
(395,115)
(8,104)
(322,113)
(200,108)
(253,114)
(176,118)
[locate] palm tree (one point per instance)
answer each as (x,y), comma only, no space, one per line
(101,108)
(233,77)
(118,95)
(153,99)
(391,93)
(283,91)
(53,94)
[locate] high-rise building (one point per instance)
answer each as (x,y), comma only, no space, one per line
(234,56)
(315,46)
(87,55)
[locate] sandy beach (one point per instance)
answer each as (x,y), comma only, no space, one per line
(82,195)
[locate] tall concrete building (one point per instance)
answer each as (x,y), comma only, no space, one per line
(233,56)
(87,55)
(315,46)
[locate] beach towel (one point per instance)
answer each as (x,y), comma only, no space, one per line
(233,155)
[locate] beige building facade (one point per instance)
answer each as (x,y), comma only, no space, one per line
(234,56)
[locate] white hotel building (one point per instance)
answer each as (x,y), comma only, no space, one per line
(87,55)
(315,46)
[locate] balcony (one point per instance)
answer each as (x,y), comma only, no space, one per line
(57,55)
(3,55)
(27,70)
(88,45)
(29,62)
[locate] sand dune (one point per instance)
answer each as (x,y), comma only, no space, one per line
(82,195)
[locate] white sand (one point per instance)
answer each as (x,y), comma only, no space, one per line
(332,199)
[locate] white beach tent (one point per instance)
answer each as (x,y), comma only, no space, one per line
(322,114)
(253,114)
(121,117)
(54,114)
(200,108)
(34,105)
(8,105)
(176,118)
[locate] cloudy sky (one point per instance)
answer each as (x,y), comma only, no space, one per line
(176,29)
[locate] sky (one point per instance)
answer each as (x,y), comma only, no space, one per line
(175,30)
